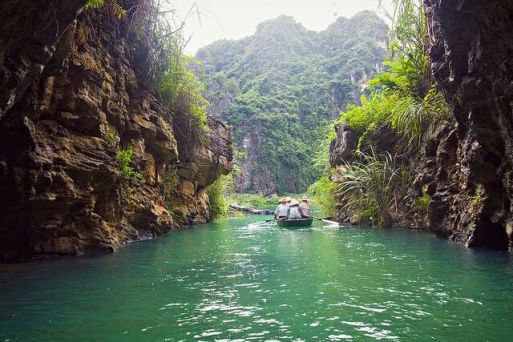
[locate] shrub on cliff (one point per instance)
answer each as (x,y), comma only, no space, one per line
(177,85)
(217,203)
(324,189)
(125,157)
(323,193)
(158,53)
(181,90)
(396,104)
(404,97)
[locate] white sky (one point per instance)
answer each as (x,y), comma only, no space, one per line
(234,19)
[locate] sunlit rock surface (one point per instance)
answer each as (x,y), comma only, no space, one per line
(72,97)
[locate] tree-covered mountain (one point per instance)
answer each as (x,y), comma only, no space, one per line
(281,87)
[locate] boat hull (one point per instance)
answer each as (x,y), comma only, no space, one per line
(292,224)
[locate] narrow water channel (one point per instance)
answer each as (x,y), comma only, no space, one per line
(236,280)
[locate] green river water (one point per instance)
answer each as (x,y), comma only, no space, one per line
(236,280)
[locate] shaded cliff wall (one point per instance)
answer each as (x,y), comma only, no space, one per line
(71,99)
(471,49)
(465,165)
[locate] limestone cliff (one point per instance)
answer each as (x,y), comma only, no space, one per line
(471,49)
(72,97)
(466,166)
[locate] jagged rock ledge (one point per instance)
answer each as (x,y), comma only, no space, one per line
(73,96)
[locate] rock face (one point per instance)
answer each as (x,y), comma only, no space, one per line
(72,101)
(466,166)
(344,145)
(471,49)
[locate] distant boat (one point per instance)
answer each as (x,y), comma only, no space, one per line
(300,223)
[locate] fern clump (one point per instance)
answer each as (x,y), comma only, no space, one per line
(396,104)
(125,157)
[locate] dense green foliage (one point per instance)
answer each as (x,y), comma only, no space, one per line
(282,86)
(408,36)
(404,97)
(323,190)
(323,193)
(181,90)
(396,103)
(253,201)
(217,203)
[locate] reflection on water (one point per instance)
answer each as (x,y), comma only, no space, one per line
(241,279)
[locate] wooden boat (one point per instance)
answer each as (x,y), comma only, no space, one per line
(301,223)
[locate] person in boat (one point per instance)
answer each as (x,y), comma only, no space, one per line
(288,200)
(305,209)
(281,211)
(294,212)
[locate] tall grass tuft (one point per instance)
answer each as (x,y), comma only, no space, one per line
(373,187)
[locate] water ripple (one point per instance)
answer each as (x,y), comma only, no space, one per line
(242,280)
